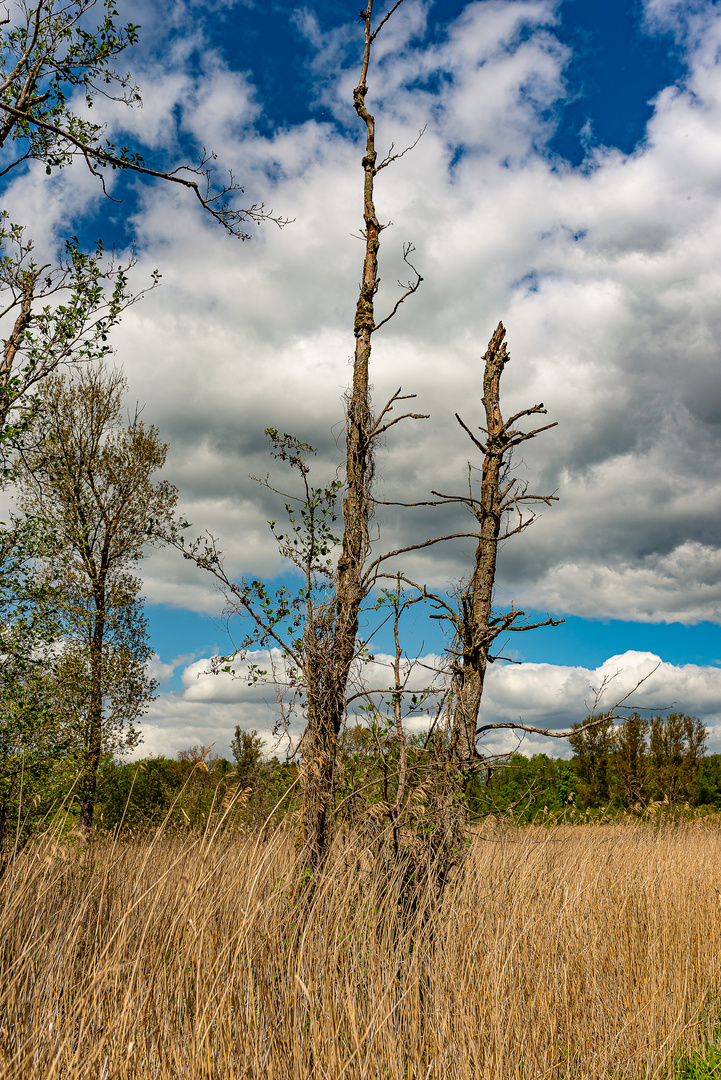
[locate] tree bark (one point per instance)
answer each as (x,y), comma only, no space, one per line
(95,712)
(330,640)
(476,632)
(476,625)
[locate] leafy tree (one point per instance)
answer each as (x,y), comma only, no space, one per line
(196,789)
(117,663)
(708,781)
(204,786)
(147,793)
(135,795)
(263,782)
(524,786)
(593,747)
(631,759)
(247,750)
(53,316)
(676,747)
(89,476)
(32,754)
(46,55)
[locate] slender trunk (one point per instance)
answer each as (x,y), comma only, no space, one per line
(12,344)
(330,641)
(395,810)
(476,630)
(95,714)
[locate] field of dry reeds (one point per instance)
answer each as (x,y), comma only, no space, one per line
(568,952)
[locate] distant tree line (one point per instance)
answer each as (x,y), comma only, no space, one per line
(197,789)
(633,766)
(630,766)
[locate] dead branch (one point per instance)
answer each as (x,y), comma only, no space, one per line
(388,407)
(410,286)
(391,157)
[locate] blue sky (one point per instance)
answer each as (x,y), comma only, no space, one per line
(577,642)
(615,67)
(568,182)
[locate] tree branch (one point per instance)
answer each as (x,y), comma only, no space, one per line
(413,547)
(468,431)
(388,407)
(410,287)
(516,439)
(383,21)
(228,218)
(524,412)
(390,157)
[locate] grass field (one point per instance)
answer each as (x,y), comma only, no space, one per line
(569,952)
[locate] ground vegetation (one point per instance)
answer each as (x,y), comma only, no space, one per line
(561,952)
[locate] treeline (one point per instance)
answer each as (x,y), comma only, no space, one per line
(630,766)
(197,789)
(627,766)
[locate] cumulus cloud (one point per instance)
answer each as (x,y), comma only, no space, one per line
(540,695)
(163,673)
(552,696)
(606,276)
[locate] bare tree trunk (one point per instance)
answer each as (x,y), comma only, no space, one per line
(476,629)
(395,810)
(330,641)
(476,625)
(95,714)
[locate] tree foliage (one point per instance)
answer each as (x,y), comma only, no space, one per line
(593,747)
(89,475)
(631,759)
(676,745)
(197,790)
(51,59)
(52,315)
(33,762)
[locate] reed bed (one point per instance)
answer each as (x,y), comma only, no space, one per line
(558,952)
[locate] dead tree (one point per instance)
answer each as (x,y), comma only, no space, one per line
(502,508)
(477,627)
(323,656)
(317,631)
(330,643)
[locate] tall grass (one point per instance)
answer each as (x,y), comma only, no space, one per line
(575,952)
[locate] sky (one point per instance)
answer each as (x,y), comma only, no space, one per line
(567,182)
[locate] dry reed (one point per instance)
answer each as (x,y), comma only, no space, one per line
(574,952)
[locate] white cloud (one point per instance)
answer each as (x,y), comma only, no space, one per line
(163,673)
(686,584)
(540,695)
(606,276)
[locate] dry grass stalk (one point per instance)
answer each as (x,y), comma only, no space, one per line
(569,952)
